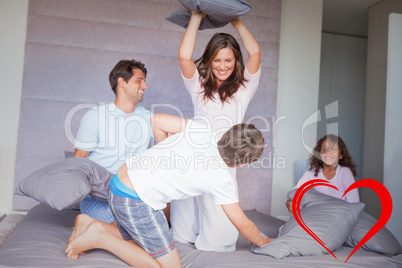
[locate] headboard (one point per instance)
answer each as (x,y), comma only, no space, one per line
(71,46)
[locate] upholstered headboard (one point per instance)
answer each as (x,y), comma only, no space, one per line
(71,46)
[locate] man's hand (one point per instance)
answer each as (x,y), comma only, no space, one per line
(80,153)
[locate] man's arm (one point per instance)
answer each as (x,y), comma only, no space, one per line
(245,227)
(164,125)
(80,153)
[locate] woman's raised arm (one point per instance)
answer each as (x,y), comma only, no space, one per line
(187,45)
(250,44)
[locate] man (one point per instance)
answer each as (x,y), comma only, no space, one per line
(110,132)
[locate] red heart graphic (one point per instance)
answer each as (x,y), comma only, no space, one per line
(382,192)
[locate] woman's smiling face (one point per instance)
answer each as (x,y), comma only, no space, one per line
(223,64)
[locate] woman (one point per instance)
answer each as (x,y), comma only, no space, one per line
(221,87)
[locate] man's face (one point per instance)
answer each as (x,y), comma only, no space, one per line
(135,87)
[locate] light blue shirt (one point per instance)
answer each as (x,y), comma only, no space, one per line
(110,135)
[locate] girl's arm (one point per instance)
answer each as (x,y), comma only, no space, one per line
(164,125)
(187,45)
(347,179)
(301,181)
(250,44)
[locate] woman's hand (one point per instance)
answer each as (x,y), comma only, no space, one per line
(235,21)
(197,13)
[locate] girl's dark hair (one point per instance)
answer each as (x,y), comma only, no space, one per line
(125,69)
(346,160)
(204,65)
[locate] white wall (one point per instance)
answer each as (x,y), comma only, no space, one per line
(298,84)
(393,124)
(13,21)
(375,102)
(297,89)
(63,33)
(343,80)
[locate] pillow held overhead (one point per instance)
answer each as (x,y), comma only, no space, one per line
(219,13)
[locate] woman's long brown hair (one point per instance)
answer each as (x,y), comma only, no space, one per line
(204,65)
(346,160)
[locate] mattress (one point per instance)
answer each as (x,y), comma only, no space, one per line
(41,238)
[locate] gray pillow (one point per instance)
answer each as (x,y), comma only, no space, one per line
(383,242)
(331,219)
(64,184)
(219,13)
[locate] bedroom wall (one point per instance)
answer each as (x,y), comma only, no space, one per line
(71,47)
(294,23)
(375,102)
(13,20)
(343,85)
(393,124)
(298,84)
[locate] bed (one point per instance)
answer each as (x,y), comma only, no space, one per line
(41,238)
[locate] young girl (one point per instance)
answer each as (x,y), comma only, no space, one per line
(331,161)
(221,86)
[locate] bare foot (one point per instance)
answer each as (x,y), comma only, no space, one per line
(72,236)
(71,255)
(85,241)
(81,223)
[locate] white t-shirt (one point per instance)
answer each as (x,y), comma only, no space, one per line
(183,165)
(220,116)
